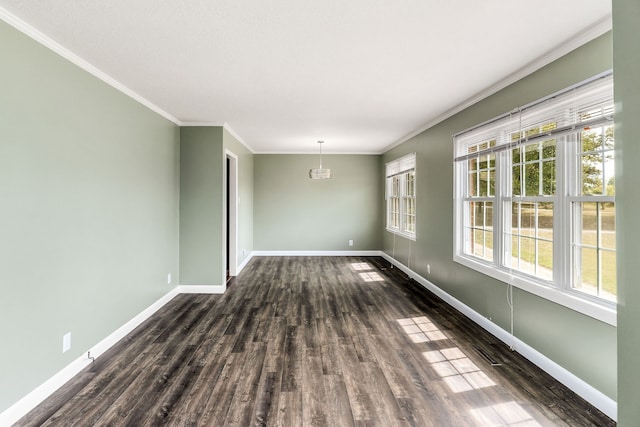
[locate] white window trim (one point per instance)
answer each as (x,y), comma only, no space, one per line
(560,292)
(400,167)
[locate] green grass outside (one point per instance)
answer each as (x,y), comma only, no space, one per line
(589,256)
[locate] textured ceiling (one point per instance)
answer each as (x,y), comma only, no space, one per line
(282,74)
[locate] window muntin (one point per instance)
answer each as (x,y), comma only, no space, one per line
(534,169)
(394,203)
(593,235)
(535,197)
(529,238)
(594,249)
(401,196)
(478,231)
(409,203)
(596,161)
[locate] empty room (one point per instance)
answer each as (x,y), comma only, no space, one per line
(319,213)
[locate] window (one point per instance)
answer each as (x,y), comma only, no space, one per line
(401,196)
(535,198)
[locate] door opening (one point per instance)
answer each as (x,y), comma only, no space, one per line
(231,215)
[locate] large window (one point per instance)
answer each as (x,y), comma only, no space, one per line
(401,196)
(535,198)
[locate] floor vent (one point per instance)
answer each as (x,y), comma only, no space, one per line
(487,356)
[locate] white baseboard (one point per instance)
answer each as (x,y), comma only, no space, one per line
(244,263)
(316,253)
(38,395)
(592,395)
(201,289)
(580,387)
(35,397)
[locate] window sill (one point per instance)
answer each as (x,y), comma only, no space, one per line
(602,311)
(402,234)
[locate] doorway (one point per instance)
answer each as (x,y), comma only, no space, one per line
(231,215)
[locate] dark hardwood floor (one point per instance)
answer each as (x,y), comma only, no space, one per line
(313,341)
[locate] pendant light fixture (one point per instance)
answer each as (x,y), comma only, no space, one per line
(320,173)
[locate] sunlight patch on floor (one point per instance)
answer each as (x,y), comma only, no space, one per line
(361,266)
(508,414)
(457,370)
(371,276)
(421,329)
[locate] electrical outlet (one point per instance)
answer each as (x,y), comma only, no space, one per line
(169,278)
(428,269)
(244,252)
(350,242)
(66,342)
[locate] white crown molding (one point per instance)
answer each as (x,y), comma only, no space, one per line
(225,126)
(201,124)
(46,41)
(316,253)
(595,30)
(338,153)
(579,386)
(229,129)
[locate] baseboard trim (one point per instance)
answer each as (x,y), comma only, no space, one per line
(244,263)
(201,289)
(38,395)
(580,387)
(316,253)
(592,395)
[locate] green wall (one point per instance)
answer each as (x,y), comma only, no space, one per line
(245,194)
(584,346)
(295,213)
(201,206)
(626,58)
(89,189)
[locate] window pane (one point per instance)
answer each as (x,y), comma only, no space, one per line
(516,184)
(395,186)
(588,270)
(549,149)
(594,244)
(609,279)
(409,215)
(609,174)
(607,213)
(596,160)
(484,182)
(479,229)
(531,152)
(492,182)
(591,140)
(530,240)
(549,178)
(473,184)
(410,184)
(532,179)
(591,167)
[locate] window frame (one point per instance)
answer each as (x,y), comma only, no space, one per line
(396,183)
(568,177)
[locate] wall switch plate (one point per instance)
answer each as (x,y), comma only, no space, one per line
(66,342)
(350,242)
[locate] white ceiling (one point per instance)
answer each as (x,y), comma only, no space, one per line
(281,74)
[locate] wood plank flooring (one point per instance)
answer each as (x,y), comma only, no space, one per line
(313,341)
